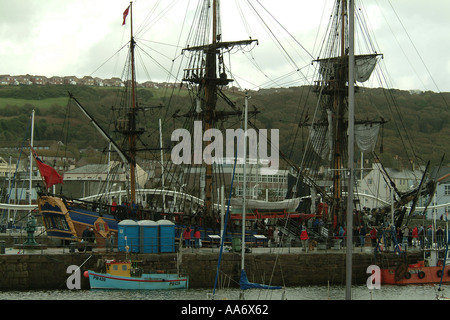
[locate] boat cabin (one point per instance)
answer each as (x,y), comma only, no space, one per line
(435,256)
(122,268)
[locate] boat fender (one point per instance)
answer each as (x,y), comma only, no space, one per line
(421,274)
(400,271)
(448,272)
(439,273)
(407,275)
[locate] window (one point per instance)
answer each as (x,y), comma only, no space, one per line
(447,190)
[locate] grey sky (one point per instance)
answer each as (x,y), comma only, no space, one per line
(76,37)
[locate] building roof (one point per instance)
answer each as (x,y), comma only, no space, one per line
(442,174)
(89,168)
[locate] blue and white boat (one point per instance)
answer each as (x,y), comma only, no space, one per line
(125,275)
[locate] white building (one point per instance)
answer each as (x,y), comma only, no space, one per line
(375,188)
(441,198)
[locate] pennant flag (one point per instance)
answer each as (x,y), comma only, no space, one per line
(48,173)
(125,14)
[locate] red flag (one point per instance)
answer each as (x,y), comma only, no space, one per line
(48,173)
(125,14)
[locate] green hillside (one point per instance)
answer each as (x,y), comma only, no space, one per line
(424,116)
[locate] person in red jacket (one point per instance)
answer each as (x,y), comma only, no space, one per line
(187,237)
(415,236)
(373,236)
(304,237)
(197,237)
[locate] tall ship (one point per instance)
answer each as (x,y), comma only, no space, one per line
(194,189)
(338,125)
(327,170)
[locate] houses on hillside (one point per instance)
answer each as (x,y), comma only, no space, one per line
(8,80)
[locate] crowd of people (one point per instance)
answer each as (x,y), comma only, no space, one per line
(382,235)
(387,236)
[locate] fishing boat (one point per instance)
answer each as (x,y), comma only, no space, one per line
(433,269)
(428,271)
(440,291)
(127,275)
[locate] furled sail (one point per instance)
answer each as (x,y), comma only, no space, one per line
(364,66)
(321,140)
(366,136)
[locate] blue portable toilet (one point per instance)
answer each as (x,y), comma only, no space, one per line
(148,236)
(128,236)
(166,236)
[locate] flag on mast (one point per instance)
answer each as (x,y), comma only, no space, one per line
(125,14)
(48,173)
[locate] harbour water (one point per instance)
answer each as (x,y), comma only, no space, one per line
(360,292)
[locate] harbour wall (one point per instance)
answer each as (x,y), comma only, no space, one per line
(41,270)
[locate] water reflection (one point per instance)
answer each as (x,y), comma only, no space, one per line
(410,292)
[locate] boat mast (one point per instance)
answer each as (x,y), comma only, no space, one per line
(244,187)
(351,146)
(210,98)
(31,157)
(132,135)
(209,73)
(339,125)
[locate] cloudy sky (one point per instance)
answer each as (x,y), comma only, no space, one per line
(81,37)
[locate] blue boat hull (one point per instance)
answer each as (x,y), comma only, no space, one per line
(154,281)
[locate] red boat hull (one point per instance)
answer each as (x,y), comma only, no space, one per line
(415,274)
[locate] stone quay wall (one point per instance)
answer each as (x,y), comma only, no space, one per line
(39,271)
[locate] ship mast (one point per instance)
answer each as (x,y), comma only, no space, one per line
(210,98)
(208,72)
(132,134)
(333,88)
(126,123)
(338,125)
(351,133)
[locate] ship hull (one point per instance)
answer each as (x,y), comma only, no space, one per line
(67,222)
(404,275)
(145,282)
